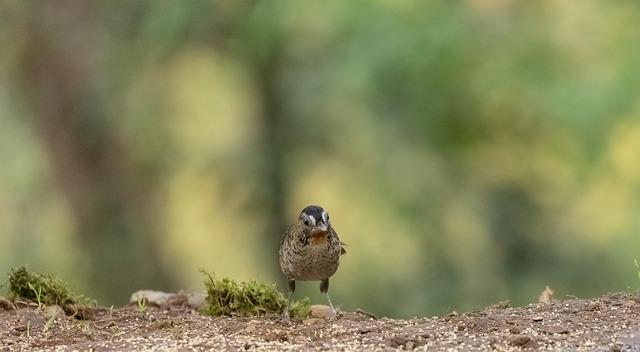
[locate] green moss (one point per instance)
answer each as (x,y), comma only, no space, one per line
(228,297)
(42,288)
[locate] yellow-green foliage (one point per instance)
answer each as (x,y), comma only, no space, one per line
(42,288)
(228,297)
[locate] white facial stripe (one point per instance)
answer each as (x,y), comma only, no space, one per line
(311,219)
(325,216)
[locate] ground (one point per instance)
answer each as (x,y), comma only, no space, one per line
(608,323)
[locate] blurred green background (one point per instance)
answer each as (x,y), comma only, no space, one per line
(467,151)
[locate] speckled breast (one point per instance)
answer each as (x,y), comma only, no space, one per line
(312,263)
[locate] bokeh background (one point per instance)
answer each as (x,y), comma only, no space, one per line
(468,151)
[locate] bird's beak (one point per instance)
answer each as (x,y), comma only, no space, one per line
(322,227)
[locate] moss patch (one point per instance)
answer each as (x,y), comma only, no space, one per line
(228,297)
(42,288)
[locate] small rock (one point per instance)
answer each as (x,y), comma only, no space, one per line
(310,321)
(629,303)
(54,311)
(519,340)
(320,311)
(196,300)
(398,341)
(177,299)
(537,318)
(250,329)
(6,304)
(616,347)
(156,298)
(556,329)
(546,295)
(165,299)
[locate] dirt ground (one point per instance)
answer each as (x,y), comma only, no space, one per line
(608,323)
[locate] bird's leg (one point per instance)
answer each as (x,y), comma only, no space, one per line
(292,288)
(324,288)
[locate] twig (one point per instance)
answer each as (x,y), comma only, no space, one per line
(364,312)
(20,303)
(108,325)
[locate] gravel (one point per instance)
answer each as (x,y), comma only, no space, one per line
(608,323)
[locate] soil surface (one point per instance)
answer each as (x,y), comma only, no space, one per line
(608,323)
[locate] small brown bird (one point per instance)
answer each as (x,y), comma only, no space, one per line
(310,251)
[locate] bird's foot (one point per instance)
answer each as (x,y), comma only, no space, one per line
(285,318)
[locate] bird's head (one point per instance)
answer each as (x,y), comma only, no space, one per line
(315,220)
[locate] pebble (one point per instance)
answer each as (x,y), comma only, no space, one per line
(310,321)
(519,340)
(54,311)
(320,311)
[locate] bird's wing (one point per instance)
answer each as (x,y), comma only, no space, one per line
(342,244)
(286,234)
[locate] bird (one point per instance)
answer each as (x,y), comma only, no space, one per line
(310,250)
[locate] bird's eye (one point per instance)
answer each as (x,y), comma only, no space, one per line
(306,222)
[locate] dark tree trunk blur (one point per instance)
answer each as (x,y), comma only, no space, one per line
(274,150)
(266,63)
(111,203)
